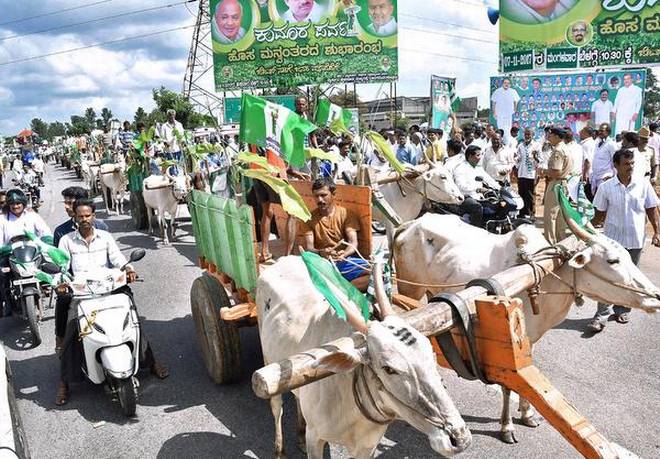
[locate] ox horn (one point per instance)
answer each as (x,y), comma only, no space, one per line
(381,295)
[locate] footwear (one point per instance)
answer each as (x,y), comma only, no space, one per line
(595,326)
(622,318)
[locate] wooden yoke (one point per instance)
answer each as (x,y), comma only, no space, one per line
(505,354)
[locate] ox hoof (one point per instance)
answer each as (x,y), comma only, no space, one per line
(508,437)
(531,421)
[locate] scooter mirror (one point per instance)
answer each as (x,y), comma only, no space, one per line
(50,268)
(137,255)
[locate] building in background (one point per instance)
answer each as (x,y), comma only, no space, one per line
(417,110)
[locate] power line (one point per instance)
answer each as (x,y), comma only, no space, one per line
(87,5)
(435,32)
(114,16)
(447,23)
(120,40)
(473,59)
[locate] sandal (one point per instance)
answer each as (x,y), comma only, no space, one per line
(265,258)
(62,395)
(159,370)
(595,326)
(622,318)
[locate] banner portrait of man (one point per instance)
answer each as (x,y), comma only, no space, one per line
(381,14)
(627,104)
(302,10)
(535,11)
(227,21)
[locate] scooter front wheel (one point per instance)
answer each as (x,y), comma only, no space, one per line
(127,393)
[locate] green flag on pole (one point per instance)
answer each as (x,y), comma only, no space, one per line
(333,116)
(275,127)
(332,285)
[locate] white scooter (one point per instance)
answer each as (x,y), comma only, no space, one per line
(109,330)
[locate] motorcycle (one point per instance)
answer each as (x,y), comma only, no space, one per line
(31,191)
(501,208)
(25,292)
(109,330)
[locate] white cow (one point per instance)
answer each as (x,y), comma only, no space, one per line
(407,196)
(90,170)
(114,180)
(162,193)
(394,377)
(442,250)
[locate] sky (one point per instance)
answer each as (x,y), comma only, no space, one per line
(450,38)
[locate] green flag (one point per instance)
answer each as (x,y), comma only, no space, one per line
(569,211)
(332,285)
(273,126)
(57,256)
(329,114)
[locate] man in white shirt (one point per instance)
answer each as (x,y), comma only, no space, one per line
(602,167)
(527,159)
(455,155)
(602,109)
(91,249)
(574,150)
(498,160)
(227,24)
(170,137)
(465,176)
(627,104)
(39,168)
(382,19)
(654,140)
(345,169)
(505,100)
(303,11)
(624,204)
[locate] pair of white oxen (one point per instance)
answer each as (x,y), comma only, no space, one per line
(399,379)
(160,193)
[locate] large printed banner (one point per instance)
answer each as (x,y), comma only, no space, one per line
(443,91)
(572,34)
(284,43)
(569,99)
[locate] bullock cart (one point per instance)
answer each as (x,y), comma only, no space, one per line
(479,332)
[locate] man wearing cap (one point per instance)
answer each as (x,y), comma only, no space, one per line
(560,167)
(647,154)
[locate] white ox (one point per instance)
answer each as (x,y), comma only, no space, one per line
(162,193)
(113,181)
(443,250)
(394,377)
(407,196)
(90,170)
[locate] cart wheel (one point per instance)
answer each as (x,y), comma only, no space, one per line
(139,211)
(220,341)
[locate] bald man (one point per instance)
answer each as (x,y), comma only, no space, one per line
(381,13)
(303,11)
(227,24)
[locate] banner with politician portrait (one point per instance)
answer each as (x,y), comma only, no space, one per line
(284,43)
(573,34)
(443,95)
(569,99)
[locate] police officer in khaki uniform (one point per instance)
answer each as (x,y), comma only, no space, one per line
(560,166)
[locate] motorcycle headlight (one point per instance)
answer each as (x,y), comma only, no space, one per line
(98,328)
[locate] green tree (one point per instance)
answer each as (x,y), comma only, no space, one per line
(402,123)
(652,99)
(185,113)
(79,125)
(56,129)
(106,116)
(90,117)
(140,116)
(40,127)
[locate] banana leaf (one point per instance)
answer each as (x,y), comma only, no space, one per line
(292,202)
(251,158)
(384,148)
(321,154)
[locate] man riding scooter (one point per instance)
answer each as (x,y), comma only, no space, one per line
(92,249)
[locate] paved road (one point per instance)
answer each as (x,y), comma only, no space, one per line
(613,379)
